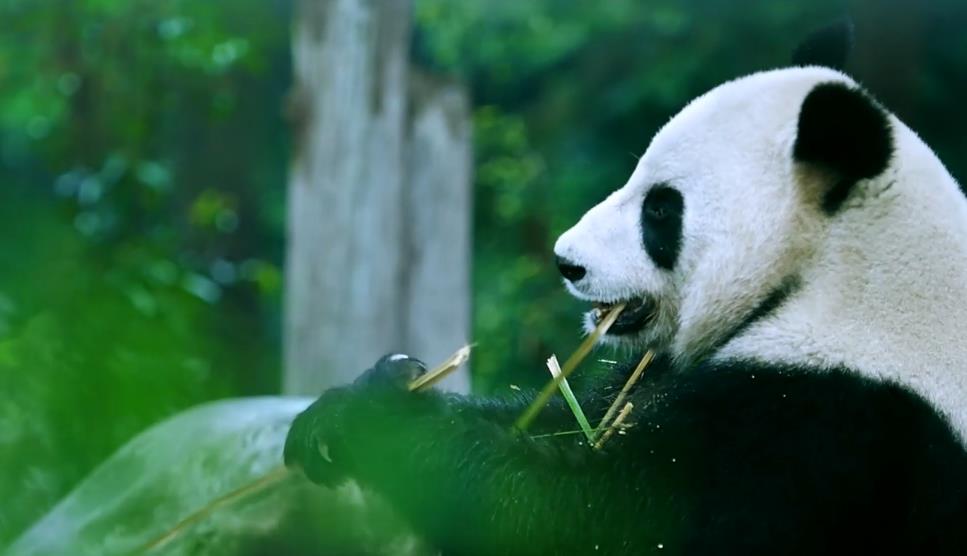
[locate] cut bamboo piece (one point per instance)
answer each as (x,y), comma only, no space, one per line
(440,372)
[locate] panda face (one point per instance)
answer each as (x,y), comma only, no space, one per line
(718,217)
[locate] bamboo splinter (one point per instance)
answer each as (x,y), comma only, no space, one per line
(632,380)
(618,422)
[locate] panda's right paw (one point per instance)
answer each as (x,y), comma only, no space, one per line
(324,440)
(316,438)
(392,372)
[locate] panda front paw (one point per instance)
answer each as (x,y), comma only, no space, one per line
(320,440)
(316,434)
(394,371)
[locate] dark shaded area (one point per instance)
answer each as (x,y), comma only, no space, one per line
(829,46)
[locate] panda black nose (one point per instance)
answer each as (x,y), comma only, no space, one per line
(569,270)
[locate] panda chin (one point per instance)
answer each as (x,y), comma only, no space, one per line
(637,314)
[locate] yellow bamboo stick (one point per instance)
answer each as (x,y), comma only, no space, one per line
(437,374)
(273,477)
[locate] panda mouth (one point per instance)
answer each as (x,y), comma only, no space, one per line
(638,312)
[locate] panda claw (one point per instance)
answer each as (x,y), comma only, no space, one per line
(324,452)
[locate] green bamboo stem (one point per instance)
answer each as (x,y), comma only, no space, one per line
(571,400)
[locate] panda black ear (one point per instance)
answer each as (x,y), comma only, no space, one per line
(845,133)
(829,46)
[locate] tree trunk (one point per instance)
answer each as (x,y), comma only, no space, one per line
(356,262)
(437,197)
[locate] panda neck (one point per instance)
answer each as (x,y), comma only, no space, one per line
(887,293)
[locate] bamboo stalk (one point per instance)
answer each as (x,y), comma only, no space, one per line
(559,433)
(279,474)
(273,477)
(572,362)
(629,384)
(572,401)
(618,421)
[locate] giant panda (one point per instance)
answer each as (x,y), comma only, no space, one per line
(798,259)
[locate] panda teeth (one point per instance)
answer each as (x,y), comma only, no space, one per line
(601,309)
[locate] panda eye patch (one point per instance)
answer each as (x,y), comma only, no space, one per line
(661,225)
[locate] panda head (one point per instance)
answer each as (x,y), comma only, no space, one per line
(726,208)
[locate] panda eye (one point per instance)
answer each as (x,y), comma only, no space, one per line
(656,212)
(661,203)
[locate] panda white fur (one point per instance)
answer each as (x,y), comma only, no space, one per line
(877,283)
(798,257)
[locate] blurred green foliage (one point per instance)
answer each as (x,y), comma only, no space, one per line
(142,182)
(140,255)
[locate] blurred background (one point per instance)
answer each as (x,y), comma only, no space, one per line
(148,149)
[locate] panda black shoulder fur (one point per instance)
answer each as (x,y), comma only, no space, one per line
(799,258)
